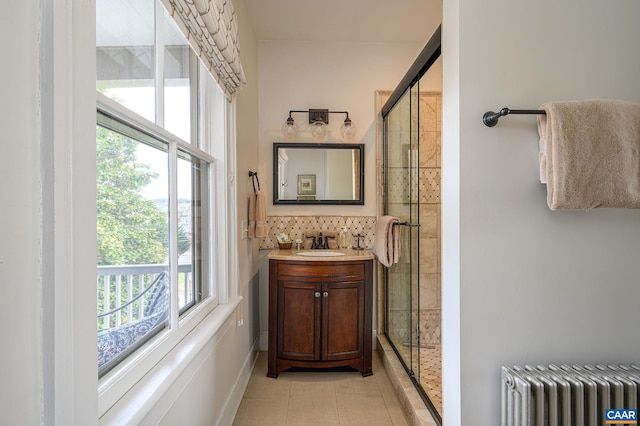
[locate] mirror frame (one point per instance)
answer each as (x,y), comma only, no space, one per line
(304,145)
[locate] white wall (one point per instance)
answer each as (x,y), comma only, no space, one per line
(338,76)
(247,159)
(534,286)
(47,366)
(20,307)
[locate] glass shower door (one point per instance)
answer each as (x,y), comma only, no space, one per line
(412,193)
(402,155)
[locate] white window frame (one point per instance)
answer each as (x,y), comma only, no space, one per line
(131,388)
(69,341)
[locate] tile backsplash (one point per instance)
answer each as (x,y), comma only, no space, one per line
(298,226)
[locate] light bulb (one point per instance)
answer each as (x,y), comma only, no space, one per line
(348,129)
(318,130)
(289,128)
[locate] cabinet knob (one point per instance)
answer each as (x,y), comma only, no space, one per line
(317,294)
(325,294)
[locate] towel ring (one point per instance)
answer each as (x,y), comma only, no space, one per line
(254,179)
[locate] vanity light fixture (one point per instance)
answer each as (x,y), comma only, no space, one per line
(318,120)
(290,128)
(348,129)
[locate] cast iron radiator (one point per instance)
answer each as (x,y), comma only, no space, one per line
(569,395)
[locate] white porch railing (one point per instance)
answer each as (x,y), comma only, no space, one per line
(119,284)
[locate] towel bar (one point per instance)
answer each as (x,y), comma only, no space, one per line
(417,225)
(491,118)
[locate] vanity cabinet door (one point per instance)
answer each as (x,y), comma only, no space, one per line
(320,321)
(342,320)
(299,305)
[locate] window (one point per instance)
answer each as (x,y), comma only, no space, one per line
(145,63)
(133,249)
(155,176)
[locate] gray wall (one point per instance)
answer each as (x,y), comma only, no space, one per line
(521,283)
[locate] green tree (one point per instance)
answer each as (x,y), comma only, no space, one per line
(131,229)
(184,243)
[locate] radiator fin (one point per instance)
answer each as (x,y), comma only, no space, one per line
(562,395)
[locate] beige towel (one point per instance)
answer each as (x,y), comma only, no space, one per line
(261,215)
(251,228)
(386,240)
(590,154)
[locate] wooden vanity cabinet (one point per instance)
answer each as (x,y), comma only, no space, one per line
(320,315)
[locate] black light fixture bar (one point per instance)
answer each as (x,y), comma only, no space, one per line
(318,120)
(318,114)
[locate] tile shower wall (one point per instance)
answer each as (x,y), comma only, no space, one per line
(430,217)
(297,226)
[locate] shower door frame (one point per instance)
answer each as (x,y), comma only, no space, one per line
(429,55)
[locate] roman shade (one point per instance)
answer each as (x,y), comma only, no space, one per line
(212,30)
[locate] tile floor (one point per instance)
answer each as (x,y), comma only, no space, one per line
(431,374)
(427,365)
(320,398)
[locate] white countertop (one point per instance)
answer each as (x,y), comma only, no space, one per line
(349,254)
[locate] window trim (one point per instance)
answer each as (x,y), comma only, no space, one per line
(129,392)
(141,364)
(123,122)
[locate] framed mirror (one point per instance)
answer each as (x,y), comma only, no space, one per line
(318,173)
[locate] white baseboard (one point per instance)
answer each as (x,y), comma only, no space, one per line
(264,341)
(235,398)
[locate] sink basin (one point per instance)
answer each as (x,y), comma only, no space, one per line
(320,253)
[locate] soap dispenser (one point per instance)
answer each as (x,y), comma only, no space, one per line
(343,239)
